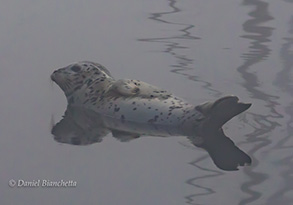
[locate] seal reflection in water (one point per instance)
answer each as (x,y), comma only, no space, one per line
(98,104)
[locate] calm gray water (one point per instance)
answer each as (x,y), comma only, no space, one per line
(199,50)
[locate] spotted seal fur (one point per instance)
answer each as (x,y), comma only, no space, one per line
(90,85)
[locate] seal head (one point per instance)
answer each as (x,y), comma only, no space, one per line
(72,77)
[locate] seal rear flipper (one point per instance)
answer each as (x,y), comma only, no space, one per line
(224,153)
(222,110)
(124,136)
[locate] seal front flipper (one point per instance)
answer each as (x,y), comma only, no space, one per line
(124,136)
(128,88)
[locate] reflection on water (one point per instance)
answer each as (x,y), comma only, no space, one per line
(285,83)
(210,174)
(262,124)
(174,47)
(82,126)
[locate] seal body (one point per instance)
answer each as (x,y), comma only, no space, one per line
(90,85)
(99,104)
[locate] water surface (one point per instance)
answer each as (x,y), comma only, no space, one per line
(199,50)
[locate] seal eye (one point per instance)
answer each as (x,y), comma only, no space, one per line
(75,68)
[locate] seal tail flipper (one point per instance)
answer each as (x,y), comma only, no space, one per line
(224,153)
(221,111)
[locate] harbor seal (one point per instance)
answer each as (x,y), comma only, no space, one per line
(131,108)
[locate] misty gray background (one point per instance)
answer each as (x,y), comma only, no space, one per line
(198,49)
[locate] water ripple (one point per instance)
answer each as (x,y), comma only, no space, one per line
(190,199)
(263,124)
(285,83)
(173,46)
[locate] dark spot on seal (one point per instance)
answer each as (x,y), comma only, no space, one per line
(154,119)
(136,90)
(134,108)
(75,68)
(94,99)
(150,120)
(133,103)
(89,82)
